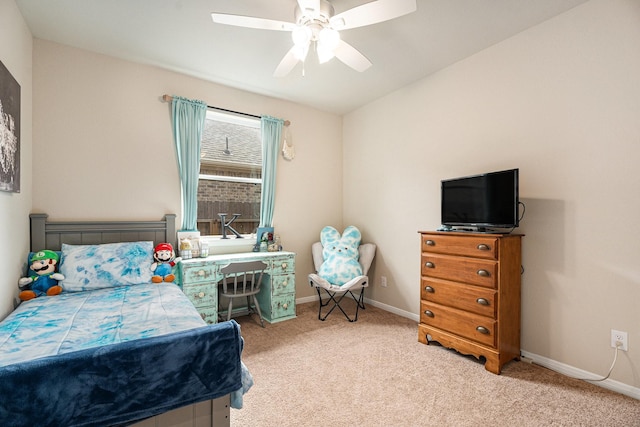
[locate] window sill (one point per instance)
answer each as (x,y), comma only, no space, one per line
(231,245)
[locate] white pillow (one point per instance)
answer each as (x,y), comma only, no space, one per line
(87,267)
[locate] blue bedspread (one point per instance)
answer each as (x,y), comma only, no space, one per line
(59,368)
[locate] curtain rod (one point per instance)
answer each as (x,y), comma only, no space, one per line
(169,98)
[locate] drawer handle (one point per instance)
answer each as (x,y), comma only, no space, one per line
(429,243)
(428,313)
(284,265)
(200,272)
(429,289)
(482,330)
(284,284)
(285,305)
(429,264)
(483,247)
(482,301)
(199,295)
(484,273)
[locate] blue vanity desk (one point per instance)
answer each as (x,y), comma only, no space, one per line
(199,279)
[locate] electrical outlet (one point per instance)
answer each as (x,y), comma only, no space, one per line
(622,337)
(383,281)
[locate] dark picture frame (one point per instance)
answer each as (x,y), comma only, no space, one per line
(9,132)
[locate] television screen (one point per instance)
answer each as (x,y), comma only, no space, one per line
(487,200)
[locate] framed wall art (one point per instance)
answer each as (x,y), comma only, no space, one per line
(9,131)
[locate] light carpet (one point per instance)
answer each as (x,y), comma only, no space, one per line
(374,372)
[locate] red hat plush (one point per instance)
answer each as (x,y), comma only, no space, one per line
(163,247)
(165,259)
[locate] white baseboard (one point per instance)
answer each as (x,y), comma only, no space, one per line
(304,300)
(574,372)
(394,310)
(385,307)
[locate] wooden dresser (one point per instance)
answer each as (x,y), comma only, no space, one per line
(470,294)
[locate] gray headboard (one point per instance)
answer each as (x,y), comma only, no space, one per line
(51,235)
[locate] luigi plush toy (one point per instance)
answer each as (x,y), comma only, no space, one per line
(43,279)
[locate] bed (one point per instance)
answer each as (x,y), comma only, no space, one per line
(115,349)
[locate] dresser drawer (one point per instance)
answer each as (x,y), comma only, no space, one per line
(199,273)
(203,294)
(472,246)
(460,269)
(473,299)
(283,284)
(472,326)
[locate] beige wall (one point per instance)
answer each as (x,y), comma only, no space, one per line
(15,53)
(561,101)
(104,147)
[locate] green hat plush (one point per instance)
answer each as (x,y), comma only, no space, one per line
(44,254)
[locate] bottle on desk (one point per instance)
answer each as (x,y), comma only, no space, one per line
(204,249)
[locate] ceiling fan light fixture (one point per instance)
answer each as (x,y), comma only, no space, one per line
(324,54)
(328,41)
(329,38)
(301,36)
(300,52)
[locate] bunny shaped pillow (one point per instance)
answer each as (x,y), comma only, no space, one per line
(340,255)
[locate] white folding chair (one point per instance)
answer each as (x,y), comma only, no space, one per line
(336,293)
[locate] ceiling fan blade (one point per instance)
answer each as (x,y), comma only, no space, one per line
(372,13)
(251,22)
(286,65)
(351,56)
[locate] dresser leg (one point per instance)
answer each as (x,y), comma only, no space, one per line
(492,365)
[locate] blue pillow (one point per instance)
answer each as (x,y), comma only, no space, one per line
(87,267)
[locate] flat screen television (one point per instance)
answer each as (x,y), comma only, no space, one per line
(489,200)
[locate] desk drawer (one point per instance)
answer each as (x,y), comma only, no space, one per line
(203,294)
(282,265)
(283,284)
(283,306)
(199,273)
(209,314)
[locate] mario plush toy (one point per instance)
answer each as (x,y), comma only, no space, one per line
(165,261)
(44,279)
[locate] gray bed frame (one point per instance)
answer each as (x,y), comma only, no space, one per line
(46,234)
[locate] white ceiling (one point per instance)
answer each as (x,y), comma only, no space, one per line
(179,35)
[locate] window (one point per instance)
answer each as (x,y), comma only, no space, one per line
(230,178)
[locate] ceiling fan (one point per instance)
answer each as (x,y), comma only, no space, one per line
(316,22)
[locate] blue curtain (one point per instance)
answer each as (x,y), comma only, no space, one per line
(271,133)
(188,118)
